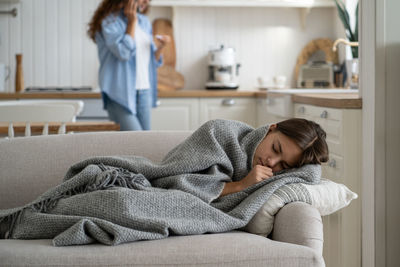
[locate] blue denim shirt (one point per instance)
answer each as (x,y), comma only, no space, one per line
(117,51)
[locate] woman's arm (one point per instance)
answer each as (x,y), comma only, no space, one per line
(119,40)
(232,187)
(256,175)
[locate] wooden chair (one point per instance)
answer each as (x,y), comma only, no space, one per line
(36,112)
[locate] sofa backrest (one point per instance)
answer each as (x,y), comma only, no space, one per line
(31,165)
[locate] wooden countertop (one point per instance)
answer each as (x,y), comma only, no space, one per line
(334,100)
(79,126)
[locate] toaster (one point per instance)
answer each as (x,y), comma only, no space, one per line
(316,75)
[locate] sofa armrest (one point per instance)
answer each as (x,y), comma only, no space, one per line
(299,223)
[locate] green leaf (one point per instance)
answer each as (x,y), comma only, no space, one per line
(356,28)
(344,17)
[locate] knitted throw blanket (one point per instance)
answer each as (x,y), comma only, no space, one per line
(113,200)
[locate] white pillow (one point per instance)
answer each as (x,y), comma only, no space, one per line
(327,197)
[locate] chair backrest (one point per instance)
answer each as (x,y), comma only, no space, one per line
(35,112)
(77,104)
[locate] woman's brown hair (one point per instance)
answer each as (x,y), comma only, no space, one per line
(105,8)
(309,136)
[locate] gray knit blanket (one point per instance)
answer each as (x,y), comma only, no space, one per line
(113,200)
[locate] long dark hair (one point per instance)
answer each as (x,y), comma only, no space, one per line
(309,136)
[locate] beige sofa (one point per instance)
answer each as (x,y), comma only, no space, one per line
(31,165)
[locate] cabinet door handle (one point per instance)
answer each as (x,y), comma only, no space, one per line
(228,102)
(270,101)
(324,114)
(332,163)
(301,110)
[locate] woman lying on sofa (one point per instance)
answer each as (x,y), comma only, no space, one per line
(214,181)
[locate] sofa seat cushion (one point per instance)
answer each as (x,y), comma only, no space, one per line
(226,249)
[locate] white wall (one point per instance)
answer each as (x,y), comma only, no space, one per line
(267,40)
(51,35)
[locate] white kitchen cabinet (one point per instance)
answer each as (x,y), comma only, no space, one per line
(265,117)
(342,230)
(185,113)
(93,110)
(176,114)
(171,114)
(304,6)
(230,108)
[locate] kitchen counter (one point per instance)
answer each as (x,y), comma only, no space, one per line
(347,101)
(171,94)
(334,100)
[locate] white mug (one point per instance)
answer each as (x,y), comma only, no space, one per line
(264,82)
(280,81)
(4,75)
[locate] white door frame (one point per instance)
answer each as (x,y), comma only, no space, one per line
(372,84)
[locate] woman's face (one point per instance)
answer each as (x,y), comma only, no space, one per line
(143,5)
(277,151)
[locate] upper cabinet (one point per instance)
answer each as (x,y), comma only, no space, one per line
(303,5)
(246,3)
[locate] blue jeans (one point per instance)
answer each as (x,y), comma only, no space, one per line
(132,122)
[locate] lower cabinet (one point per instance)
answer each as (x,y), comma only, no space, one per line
(190,113)
(342,230)
(186,113)
(265,117)
(240,109)
(175,114)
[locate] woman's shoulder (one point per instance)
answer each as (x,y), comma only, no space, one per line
(114,18)
(144,21)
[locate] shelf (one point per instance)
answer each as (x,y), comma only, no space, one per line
(9,1)
(245,3)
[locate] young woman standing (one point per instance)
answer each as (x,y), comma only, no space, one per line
(128,61)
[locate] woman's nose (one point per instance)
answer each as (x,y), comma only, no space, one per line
(273,163)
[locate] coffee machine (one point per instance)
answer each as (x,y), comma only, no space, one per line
(223,71)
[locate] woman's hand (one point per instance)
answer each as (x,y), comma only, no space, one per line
(257,174)
(130,10)
(162,40)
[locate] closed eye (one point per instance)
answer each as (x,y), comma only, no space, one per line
(283,164)
(274,149)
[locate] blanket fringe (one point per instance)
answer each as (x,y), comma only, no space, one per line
(110,177)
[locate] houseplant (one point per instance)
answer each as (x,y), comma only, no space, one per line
(352,36)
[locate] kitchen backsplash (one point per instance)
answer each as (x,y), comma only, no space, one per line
(51,35)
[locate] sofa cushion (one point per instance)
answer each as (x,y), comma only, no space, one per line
(226,249)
